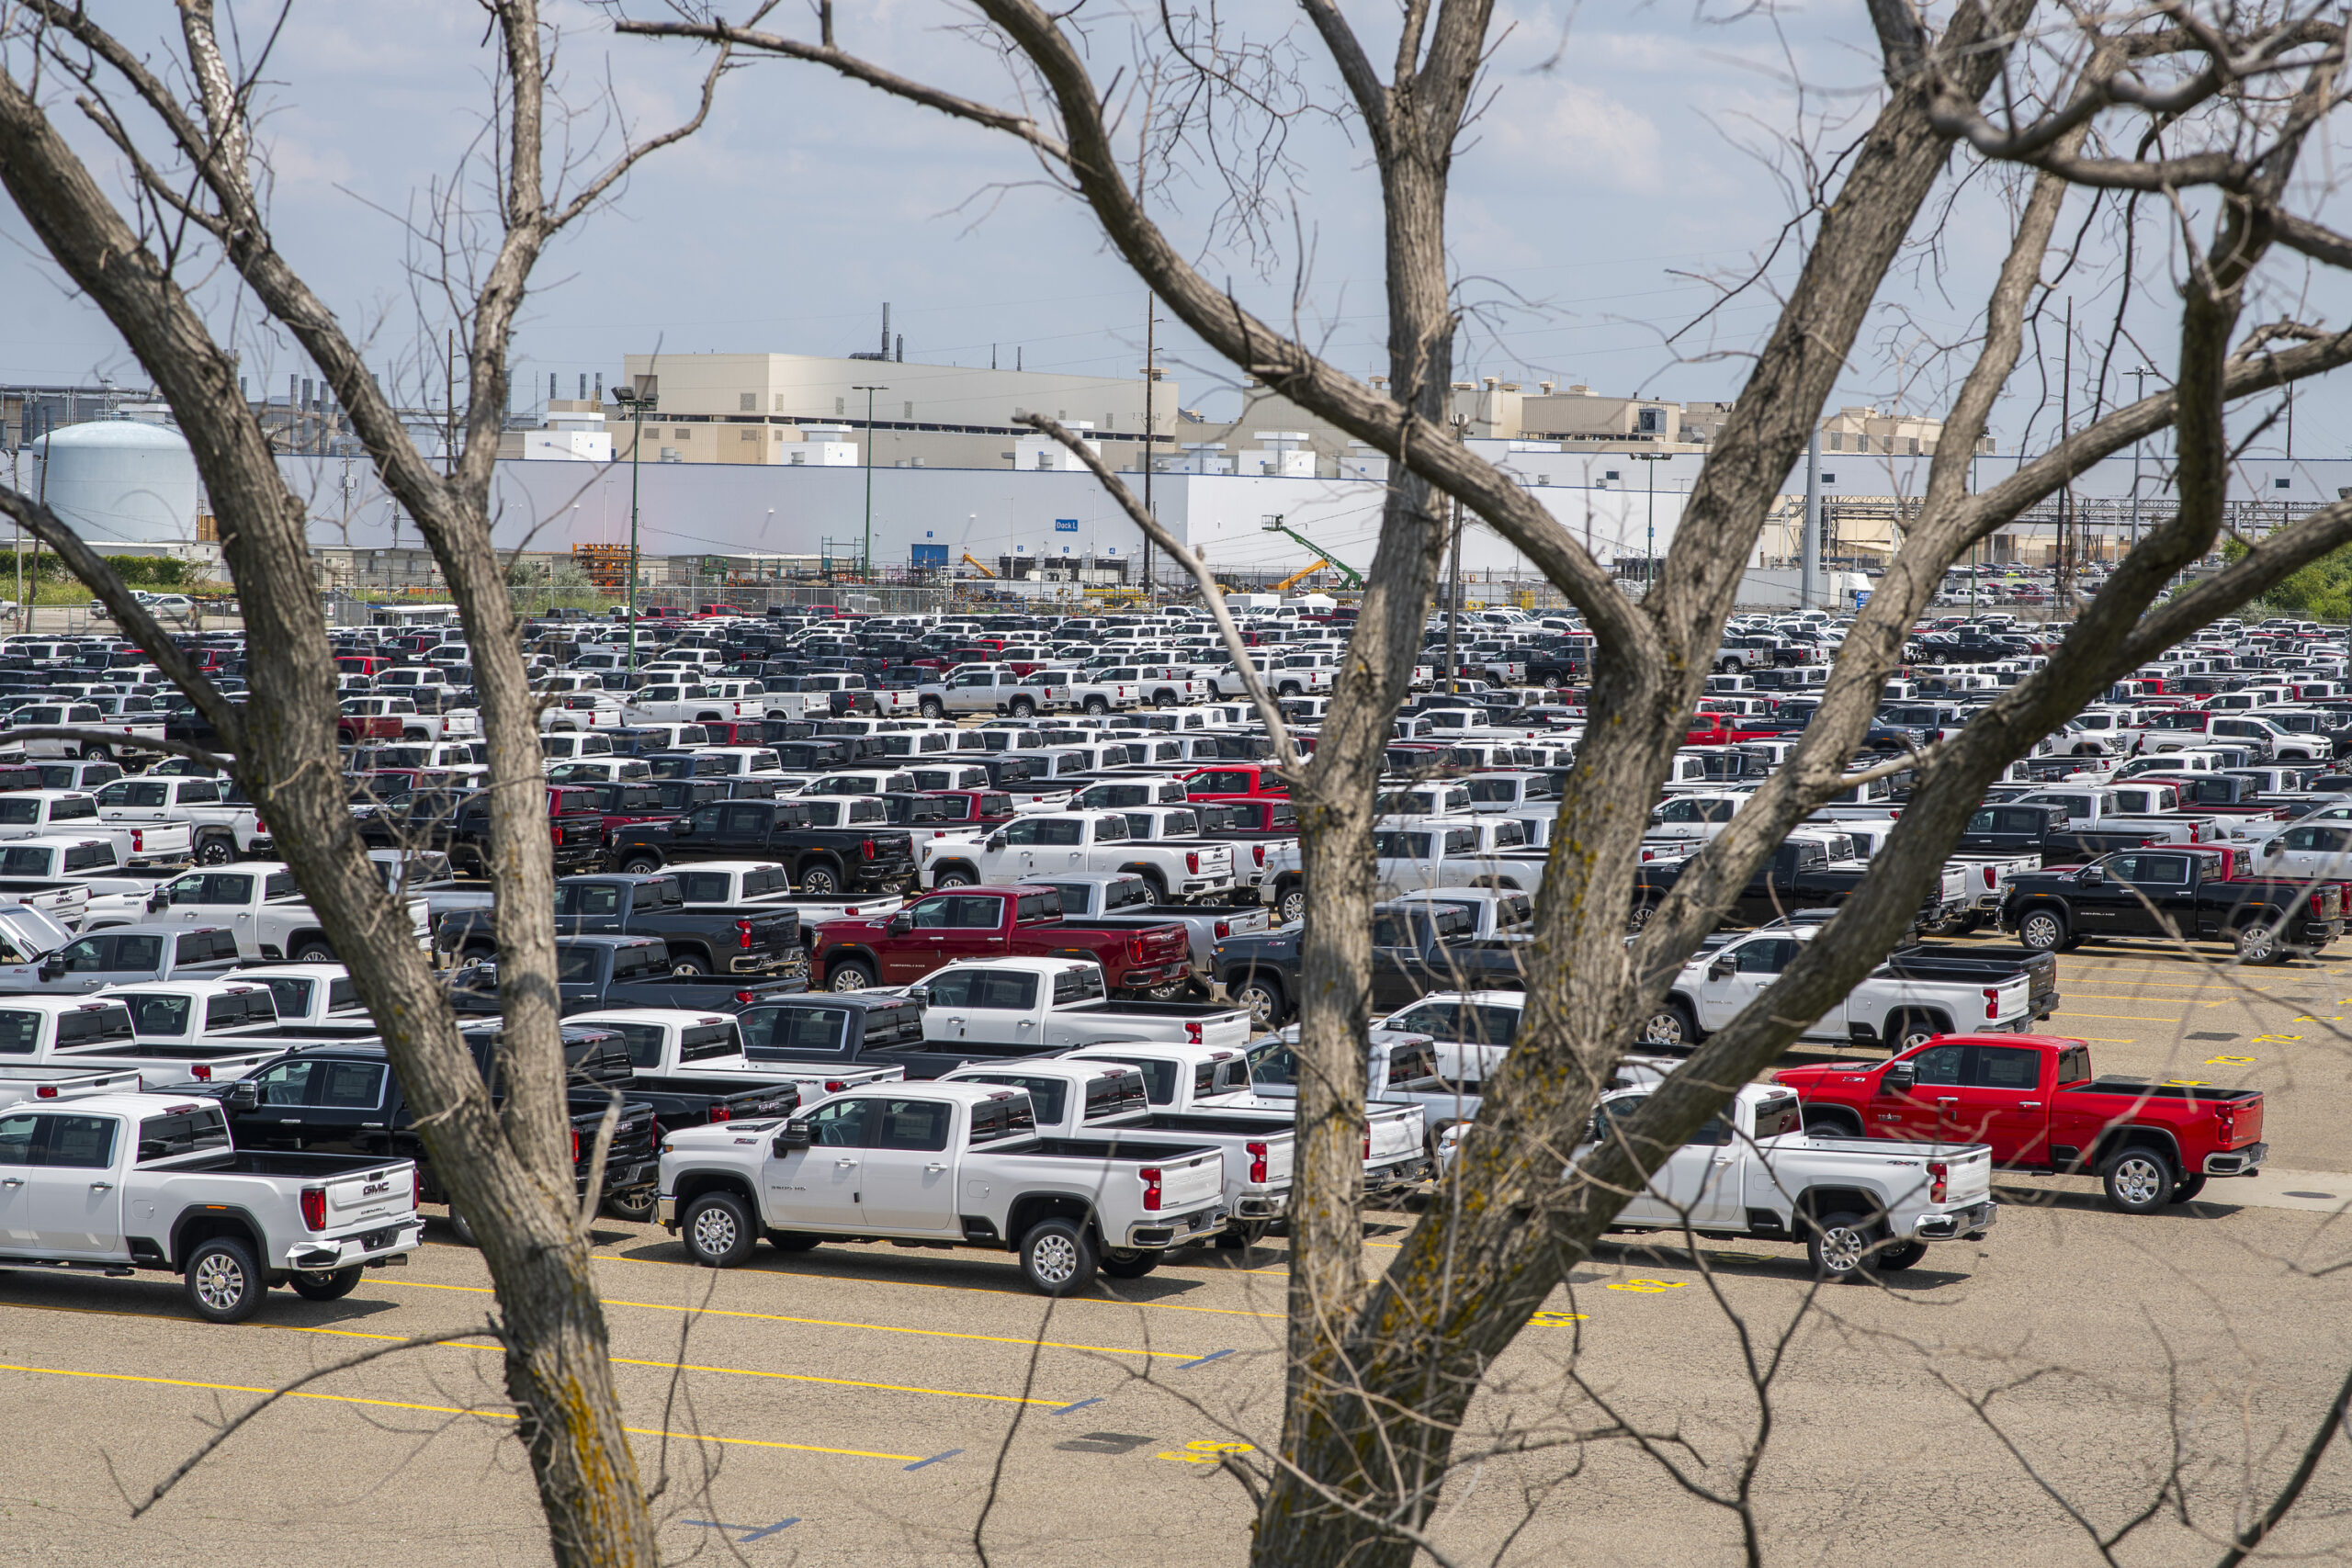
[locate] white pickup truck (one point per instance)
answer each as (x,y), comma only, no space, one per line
(686,705)
(68,879)
(1085,691)
(224,832)
(1897,1009)
(718,884)
(672,1041)
(1753,1173)
(1051,1004)
(1106,899)
(260,902)
(984,688)
(45,813)
(1074,1098)
(82,716)
(19,1085)
(94,1032)
(1057,843)
(947,1164)
(1182,1078)
(118,1182)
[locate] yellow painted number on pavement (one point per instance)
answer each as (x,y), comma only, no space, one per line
(2229,1061)
(1648,1287)
(2275,1040)
(1206,1450)
(1556,1319)
(2187,1083)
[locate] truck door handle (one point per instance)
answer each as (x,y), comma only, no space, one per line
(2029,1105)
(934,1169)
(12,1181)
(844,1165)
(101,1185)
(1949,1100)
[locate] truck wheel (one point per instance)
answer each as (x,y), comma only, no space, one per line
(313,949)
(325,1284)
(849,975)
(794,1241)
(1839,1245)
(1900,1256)
(224,1284)
(1262,999)
(641,864)
(637,1206)
(2139,1180)
(933,708)
(2257,944)
(717,1230)
(1240,1236)
(2188,1187)
(1831,1124)
(1637,918)
(462,1228)
(956,876)
(1671,1025)
(689,963)
(1023,707)
(1290,904)
(1156,882)
(1056,1258)
(1130,1265)
(216,851)
(2043,931)
(820,881)
(1098,704)
(1913,1029)
(97,753)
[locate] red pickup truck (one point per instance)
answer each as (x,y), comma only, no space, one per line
(1235,781)
(993,922)
(2032,1098)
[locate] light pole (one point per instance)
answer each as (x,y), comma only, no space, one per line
(1649,549)
(868,572)
(2139,391)
(642,395)
(1150,377)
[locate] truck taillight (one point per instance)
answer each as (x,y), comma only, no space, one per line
(1224,929)
(554,834)
(868,848)
(2319,909)
(1938,1178)
(314,1207)
(138,840)
(1193,1034)
(834,1085)
(1150,1175)
(1260,850)
(1192,862)
(1989,879)
(201,1073)
(1257,1161)
(2226,1118)
(743,934)
(720,1114)
(1367,1142)
(743,996)
(1135,948)
(575,1146)
(46,1091)
(1992,1002)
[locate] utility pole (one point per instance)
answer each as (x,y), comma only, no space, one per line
(868,572)
(2139,391)
(449,414)
(1453,595)
(642,395)
(2065,574)
(1650,460)
(1151,382)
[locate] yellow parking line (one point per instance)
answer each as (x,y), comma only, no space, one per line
(2116,1016)
(930,1285)
(443,1410)
(833,1322)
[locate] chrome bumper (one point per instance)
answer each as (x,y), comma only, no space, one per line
(2237,1162)
(1973,1221)
(384,1244)
(1178,1230)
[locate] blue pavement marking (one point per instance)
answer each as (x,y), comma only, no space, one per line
(1202,1361)
(934,1459)
(1080,1405)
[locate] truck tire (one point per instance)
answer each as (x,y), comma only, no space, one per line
(1153,880)
(956,876)
(689,963)
(216,849)
(312,950)
(1262,999)
(462,1228)
(1898,1256)
(1056,1258)
(222,1281)
(1098,704)
(1290,904)
(716,1229)
(1671,1025)
(1832,1123)
(794,1241)
(1130,1265)
(2188,1187)
(2044,930)
(325,1284)
(933,708)
(1908,1029)
(636,1206)
(821,879)
(644,863)
(849,975)
(1839,1245)
(2139,1178)
(97,753)
(1637,918)
(1022,707)
(2258,942)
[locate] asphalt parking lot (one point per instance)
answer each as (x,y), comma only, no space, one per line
(854,1403)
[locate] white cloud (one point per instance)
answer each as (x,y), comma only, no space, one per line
(1583,133)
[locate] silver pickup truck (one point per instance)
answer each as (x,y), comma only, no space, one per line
(946,1164)
(118,1182)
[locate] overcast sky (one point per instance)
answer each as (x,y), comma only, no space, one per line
(1626,155)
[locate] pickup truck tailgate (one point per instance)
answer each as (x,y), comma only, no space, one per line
(387,1193)
(1968,1174)
(1184,1183)
(1392,1134)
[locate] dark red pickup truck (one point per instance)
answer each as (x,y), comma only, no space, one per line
(2032,1098)
(993,922)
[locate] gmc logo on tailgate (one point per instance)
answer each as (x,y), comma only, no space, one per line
(375,1186)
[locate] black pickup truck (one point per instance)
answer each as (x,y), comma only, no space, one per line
(595,971)
(345,1099)
(2007,828)
(737,940)
(1802,874)
(1415,949)
(2170,893)
(822,860)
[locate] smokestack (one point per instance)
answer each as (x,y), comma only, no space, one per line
(600,386)
(886,329)
(584,386)
(293,392)
(902,348)
(550,385)
(241,388)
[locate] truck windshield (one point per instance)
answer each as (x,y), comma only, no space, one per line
(89,1026)
(801,1031)
(1009,989)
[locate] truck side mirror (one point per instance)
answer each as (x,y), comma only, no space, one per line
(1721,969)
(244,1095)
(919,995)
(793,1136)
(901,923)
(996,841)
(685,827)
(1902,1077)
(2091,874)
